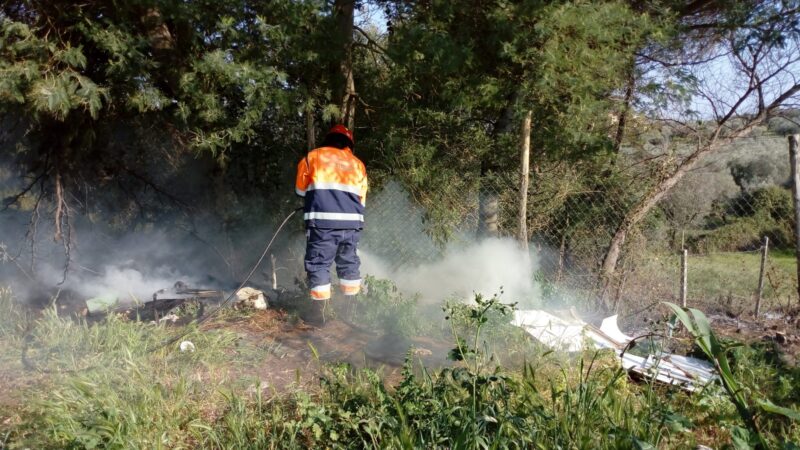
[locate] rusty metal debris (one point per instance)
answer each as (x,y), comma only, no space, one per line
(163,303)
(571,334)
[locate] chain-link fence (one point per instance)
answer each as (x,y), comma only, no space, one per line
(720,212)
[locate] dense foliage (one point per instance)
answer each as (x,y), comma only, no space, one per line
(137,105)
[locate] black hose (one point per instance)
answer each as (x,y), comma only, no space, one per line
(233,293)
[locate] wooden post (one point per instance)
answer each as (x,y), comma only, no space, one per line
(684,272)
(793,160)
(524,176)
(760,292)
(561,249)
(274,273)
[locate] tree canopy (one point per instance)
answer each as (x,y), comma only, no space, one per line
(206,105)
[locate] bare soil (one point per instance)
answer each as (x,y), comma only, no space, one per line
(780,327)
(297,351)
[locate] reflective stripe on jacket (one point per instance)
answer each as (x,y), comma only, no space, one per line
(334,184)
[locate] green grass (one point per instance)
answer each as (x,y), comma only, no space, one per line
(122,395)
(730,278)
(737,273)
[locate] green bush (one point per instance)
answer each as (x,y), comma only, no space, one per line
(744,221)
(382,307)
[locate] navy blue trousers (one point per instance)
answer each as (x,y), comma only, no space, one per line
(323,247)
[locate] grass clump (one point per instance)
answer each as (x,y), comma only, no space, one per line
(13,318)
(109,386)
(384,308)
(473,404)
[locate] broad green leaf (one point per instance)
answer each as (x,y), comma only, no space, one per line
(740,438)
(770,407)
(703,330)
(682,316)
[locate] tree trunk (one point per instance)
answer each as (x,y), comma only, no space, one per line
(344,84)
(657,192)
(626,107)
(640,210)
(163,43)
(488,214)
(157,31)
(488,200)
(524,175)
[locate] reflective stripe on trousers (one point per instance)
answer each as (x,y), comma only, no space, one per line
(326,246)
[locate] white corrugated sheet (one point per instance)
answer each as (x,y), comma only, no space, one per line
(572,334)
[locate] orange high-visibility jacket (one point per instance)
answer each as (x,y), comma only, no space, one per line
(334,184)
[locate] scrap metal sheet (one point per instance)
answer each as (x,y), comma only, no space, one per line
(572,334)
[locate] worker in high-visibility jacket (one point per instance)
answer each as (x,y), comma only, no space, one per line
(334,184)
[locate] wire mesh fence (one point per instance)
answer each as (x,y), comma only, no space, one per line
(721,212)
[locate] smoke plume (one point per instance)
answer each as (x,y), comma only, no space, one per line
(484,267)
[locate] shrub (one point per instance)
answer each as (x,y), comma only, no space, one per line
(382,307)
(742,222)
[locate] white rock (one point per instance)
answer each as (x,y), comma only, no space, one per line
(248,297)
(187,346)
(171,317)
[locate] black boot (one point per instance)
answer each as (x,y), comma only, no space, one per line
(315,313)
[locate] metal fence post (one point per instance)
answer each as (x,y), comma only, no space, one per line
(684,272)
(793,160)
(760,292)
(274,272)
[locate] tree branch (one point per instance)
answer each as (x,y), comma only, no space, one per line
(10,201)
(369,39)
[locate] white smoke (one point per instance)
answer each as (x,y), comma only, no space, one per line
(483,267)
(128,284)
(127,268)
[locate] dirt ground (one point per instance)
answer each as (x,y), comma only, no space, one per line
(277,352)
(782,329)
(297,351)
(780,326)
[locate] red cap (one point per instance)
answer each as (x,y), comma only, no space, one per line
(341,129)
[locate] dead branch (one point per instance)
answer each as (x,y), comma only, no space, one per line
(10,201)
(4,256)
(67,241)
(155,187)
(369,39)
(33,226)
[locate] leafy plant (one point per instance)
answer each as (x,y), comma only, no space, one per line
(384,308)
(747,407)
